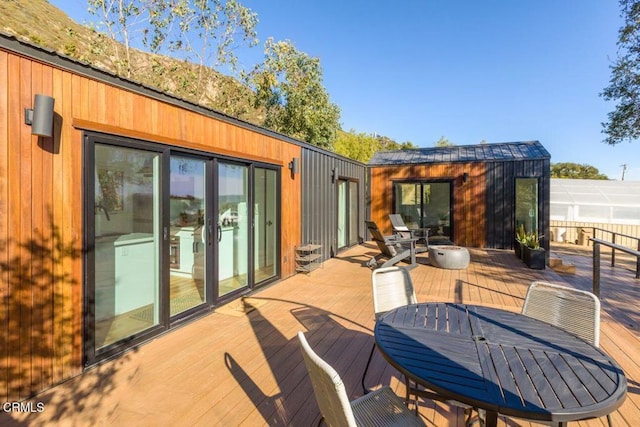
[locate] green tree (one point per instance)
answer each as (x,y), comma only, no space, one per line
(289,87)
(575,171)
(358,146)
(205,32)
(362,146)
(388,144)
(624,86)
(443,142)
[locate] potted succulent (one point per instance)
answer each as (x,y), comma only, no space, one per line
(533,254)
(520,241)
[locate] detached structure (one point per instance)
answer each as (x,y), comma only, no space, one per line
(473,195)
(125,212)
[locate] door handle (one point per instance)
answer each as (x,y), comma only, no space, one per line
(219,233)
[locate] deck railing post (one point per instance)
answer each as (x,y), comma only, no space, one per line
(596,269)
(638,263)
(613,250)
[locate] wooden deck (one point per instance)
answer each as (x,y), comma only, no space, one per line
(235,368)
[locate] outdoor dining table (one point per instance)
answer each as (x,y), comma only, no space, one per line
(500,361)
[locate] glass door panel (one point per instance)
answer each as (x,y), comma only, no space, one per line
(527,204)
(436,210)
(425,205)
(353,212)
(127,242)
(408,203)
(187,234)
(342,213)
(233,227)
(347,213)
(265,224)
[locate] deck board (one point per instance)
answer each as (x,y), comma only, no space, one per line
(247,370)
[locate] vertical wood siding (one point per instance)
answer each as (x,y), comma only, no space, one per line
(501,196)
(41,206)
(469,199)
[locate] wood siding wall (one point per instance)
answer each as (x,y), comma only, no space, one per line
(41,205)
(483,208)
(469,199)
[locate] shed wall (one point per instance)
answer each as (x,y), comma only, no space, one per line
(469,215)
(41,204)
(320,201)
(501,187)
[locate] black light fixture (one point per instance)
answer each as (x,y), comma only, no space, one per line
(294,165)
(40,118)
(465,177)
(334,175)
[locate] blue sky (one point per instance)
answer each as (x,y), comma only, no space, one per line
(467,70)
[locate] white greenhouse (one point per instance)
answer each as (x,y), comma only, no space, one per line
(581,208)
(591,200)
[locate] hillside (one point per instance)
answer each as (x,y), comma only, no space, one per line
(23,19)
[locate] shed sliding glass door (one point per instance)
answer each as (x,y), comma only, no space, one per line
(347,213)
(168,235)
(426,205)
(127,241)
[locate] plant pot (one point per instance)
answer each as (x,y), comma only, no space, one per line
(534,258)
(518,249)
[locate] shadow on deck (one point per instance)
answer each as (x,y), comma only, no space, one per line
(247,369)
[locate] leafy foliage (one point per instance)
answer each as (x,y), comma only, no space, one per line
(444,142)
(362,146)
(289,87)
(575,171)
(202,32)
(176,47)
(624,86)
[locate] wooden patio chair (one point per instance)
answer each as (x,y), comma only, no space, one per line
(380,408)
(392,247)
(401,229)
(573,310)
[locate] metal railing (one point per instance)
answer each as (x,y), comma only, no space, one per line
(614,247)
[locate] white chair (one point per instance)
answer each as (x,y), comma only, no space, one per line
(392,288)
(573,310)
(379,408)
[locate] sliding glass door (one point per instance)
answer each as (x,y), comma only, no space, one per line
(188,248)
(265,220)
(233,227)
(347,213)
(426,205)
(125,233)
(168,235)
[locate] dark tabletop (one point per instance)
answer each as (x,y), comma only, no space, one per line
(501,361)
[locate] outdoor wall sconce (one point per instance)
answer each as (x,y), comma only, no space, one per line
(334,175)
(465,177)
(294,165)
(40,118)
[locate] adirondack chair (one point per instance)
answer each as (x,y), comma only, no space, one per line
(394,248)
(401,229)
